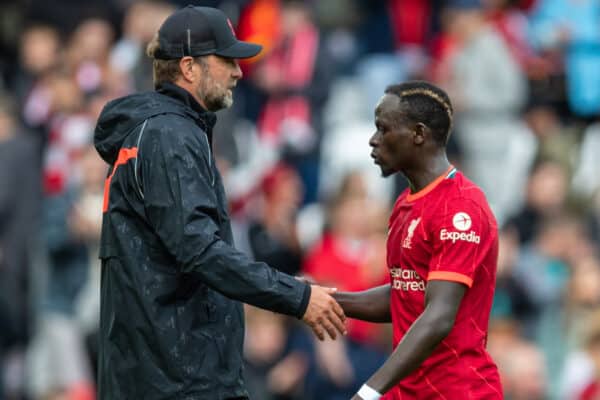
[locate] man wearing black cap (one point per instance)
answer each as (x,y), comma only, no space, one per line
(172,322)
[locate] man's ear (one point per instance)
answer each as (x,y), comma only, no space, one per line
(186,67)
(420,132)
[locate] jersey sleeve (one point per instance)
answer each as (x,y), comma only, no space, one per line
(461,234)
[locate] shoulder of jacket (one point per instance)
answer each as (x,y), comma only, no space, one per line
(171,117)
(172,129)
(173,124)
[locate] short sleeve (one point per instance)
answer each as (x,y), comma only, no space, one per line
(461,236)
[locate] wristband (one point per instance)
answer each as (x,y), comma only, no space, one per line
(368,393)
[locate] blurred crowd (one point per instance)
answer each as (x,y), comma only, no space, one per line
(304,195)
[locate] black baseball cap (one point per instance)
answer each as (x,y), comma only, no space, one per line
(199,31)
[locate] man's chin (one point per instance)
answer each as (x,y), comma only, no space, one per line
(228,101)
(385,173)
(225,102)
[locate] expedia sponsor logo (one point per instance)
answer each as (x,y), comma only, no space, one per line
(407,280)
(470,237)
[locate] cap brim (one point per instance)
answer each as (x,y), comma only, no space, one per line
(240,50)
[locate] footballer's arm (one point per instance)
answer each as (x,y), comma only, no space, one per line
(371,305)
(442,300)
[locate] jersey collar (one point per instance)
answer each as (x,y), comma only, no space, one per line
(450,172)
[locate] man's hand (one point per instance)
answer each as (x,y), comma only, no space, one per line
(356,397)
(324,313)
(305,278)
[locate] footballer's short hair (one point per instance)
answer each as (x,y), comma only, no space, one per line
(426,103)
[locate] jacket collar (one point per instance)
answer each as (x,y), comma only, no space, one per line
(204,118)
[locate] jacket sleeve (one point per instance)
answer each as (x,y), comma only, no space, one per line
(182,208)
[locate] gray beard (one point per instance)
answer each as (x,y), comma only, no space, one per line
(215,97)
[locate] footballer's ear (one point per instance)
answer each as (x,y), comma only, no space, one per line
(419,133)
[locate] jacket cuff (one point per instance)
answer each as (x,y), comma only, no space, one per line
(304,302)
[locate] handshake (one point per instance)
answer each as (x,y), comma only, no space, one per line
(323,313)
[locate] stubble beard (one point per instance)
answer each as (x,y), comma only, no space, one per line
(215,95)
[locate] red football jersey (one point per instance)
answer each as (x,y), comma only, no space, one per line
(445,232)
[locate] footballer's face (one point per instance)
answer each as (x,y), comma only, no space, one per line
(394,137)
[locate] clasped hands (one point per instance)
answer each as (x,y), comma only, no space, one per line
(324,314)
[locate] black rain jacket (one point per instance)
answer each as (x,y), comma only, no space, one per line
(172,321)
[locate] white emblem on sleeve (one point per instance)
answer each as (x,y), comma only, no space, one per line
(461,221)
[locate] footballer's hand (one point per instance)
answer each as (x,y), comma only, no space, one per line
(324,314)
(356,397)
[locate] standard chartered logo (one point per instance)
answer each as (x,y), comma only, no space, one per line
(407,280)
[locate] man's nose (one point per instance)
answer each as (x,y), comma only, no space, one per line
(237,72)
(373,140)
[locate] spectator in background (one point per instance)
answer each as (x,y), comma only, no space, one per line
(349,255)
(570,28)
(39,51)
(411,23)
(582,297)
(39,59)
(521,364)
(260,22)
(585,384)
(19,226)
(546,197)
(273,235)
(278,357)
(283,362)
(543,269)
(489,89)
(594,220)
(585,179)
(557,141)
(68,129)
(395,36)
(295,78)
(69,225)
(67,14)
(524,368)
(512,24)
(85,220)
(511,299)
(562,332)
(142,19)
(348,125)
(87,55)
(546,268)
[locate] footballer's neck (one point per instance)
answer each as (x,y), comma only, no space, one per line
(428,171)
